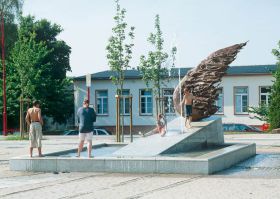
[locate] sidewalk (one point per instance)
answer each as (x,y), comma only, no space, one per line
(243,181)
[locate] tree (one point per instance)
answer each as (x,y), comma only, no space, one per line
(261,112)
(10,10)
(25,79)
(119,50)
(10,32)
(58,92)
(274,106)
(119,53)
(154,69)
(7,8)
(10,39)
(39,62)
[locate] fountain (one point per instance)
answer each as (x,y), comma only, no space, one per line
(199,150)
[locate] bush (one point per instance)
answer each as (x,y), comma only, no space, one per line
(274,107)
(261,111)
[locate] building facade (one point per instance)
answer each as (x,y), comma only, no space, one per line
(240,88)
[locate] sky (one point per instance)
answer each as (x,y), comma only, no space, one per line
(196,27)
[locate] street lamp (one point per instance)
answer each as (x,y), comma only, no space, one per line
(88,84)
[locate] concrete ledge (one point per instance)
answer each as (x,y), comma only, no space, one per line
(231,156)
(204,164)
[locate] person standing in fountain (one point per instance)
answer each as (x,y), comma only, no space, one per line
(188,101)
(86,116)
(35,122)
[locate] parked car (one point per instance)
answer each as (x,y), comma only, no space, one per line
(96,131)
(240,128)
(265,127)
(100,131)
(71,132)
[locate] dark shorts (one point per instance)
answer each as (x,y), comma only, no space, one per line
(188,111)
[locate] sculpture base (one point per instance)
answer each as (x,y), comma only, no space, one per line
(200,150)
(193,162)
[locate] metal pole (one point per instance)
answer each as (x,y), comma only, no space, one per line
(122,117)
(20,117)
(156,108)
(118,118)
(4,77)
(180,92)
(27,126)
(130,112)
(162,105)
(88,94)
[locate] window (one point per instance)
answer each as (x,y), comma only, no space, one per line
(146,102)
(100,132)
(265,95)
(168,101)
(124,103)
(102,102)
(241,100)
(220,101)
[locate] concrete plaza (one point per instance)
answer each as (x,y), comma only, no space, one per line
(258,177)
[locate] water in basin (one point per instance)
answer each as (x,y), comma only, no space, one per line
(96,152)
(195,152)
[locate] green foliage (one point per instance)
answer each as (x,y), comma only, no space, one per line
(261,112)
(10,28)
(36,69)
(274,107)
(119,50)
(154,68)
(56,94)
(25,72)
(16,138)
(9,10)
(11,6)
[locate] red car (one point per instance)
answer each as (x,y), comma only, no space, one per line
(265,127)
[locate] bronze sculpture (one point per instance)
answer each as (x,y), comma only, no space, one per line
(203,81)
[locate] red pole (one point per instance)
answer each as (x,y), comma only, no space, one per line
(4,77)
(88,94)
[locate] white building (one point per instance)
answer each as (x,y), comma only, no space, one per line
(241,87)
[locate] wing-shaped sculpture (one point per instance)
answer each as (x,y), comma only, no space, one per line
(203,81)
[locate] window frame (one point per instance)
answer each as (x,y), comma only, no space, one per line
(140,108)
(125,114)
(96,101)
(234,100)
(169,113)
(223,100)
(267,95)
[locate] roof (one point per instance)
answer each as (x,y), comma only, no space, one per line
(251,70)
(232,71)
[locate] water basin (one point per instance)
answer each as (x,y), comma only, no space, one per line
(96,152)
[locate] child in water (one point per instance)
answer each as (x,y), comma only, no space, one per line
(161,124)
(161,127)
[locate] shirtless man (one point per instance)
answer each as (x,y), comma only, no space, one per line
(35,122)
(188,101)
